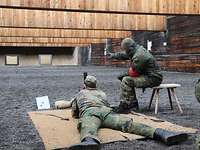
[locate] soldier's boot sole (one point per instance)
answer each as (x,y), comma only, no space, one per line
(171,140)
(83,146)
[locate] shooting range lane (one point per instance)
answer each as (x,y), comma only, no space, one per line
(21,85)
(58,129)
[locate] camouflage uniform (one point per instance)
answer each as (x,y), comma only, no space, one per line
(144,64)
(197,94)
(198,143)
(91,107)
(197,90)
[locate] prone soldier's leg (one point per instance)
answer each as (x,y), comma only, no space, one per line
(126,124)
(88,127)
(198,143)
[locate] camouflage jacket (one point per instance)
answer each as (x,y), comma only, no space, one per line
(197,90)
(86,99)
(142,60)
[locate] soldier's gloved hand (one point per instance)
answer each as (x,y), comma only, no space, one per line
(62,104)
(110,55)
(120,77)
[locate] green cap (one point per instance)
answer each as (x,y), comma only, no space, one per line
(90,81)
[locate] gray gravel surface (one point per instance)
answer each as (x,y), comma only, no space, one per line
(19,86)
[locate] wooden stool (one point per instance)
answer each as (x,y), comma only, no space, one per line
(171,92)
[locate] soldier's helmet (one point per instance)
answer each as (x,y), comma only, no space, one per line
(128,44)
(90,81)
(197,90)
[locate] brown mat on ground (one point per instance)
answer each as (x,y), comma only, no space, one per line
(58,129)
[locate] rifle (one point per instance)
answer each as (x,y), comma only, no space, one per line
(84,75)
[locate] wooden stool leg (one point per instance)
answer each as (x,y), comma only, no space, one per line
(170,98)
(152,96)
(176,99)
(157,101)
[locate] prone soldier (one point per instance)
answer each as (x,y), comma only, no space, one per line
(91,107)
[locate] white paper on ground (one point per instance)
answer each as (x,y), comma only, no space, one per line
(43,102)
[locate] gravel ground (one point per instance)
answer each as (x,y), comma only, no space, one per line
(20,85)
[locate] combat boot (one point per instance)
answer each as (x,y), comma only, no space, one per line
(133,106)
(86,144)
(168,137)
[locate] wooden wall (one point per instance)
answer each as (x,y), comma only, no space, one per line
(50,40)
(50,23)
(21,26)
(97,54)
(79,20)
(119,6)
(157,39)
(53,18)
(182,52)
(61,33)
(7,44)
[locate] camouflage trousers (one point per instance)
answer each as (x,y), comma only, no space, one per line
(128,85)
(95,118)
(198,143)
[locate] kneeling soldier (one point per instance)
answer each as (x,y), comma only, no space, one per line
(91,107)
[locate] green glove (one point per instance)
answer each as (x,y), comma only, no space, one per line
(110,55)
(120,77)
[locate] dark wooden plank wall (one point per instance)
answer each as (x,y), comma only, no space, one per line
(157,38)
(184,35)
(97,54)
(182,52)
